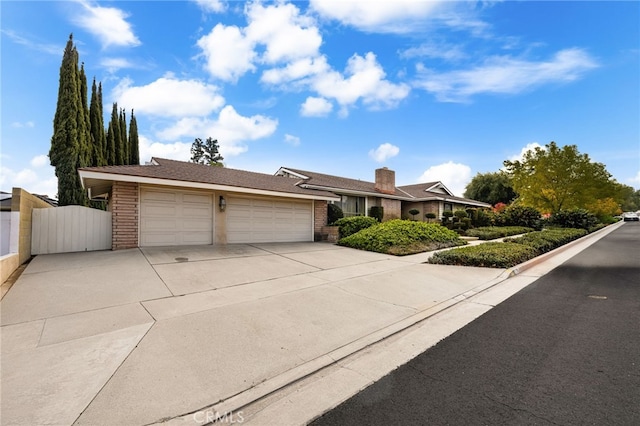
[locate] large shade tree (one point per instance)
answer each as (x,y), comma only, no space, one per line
(554,178)
(206,152)
(492,188)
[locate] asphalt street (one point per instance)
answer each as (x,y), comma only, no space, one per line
(564,351)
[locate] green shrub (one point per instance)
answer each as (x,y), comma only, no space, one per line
(401,237)
(413,213)
(459,214)
(351,225)
(334,212)
(377,212)
(493,232)
(482,218)
(489,255)
(549,239)
(576,218)
(522,216)
(430,216)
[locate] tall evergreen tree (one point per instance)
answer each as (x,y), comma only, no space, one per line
(134,146)
(110,159)
(105,152)
(123,138)
(116,134)
(97,128)
(65,144)
(84,125)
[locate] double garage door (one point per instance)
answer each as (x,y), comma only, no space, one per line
(171,217)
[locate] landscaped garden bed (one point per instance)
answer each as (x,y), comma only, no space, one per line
(493,232)
(509,253)
(402,237)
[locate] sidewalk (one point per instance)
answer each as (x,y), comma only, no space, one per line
(142,336)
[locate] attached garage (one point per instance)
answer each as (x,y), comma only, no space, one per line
(256,220)
(170,217)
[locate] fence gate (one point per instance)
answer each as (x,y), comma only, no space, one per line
(70,228)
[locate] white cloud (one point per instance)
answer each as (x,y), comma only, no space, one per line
(175,151)
(384,152)
(635,181)
(215,6)
(114,64)
(299,70)
(107,23)
(445,51)
(169,97)
(51,49)
(366,82)
(40,161)
(230,128)
(315,107)
(505,75)
(528,147)
(228,52)
(396,16)
(20,125)
(43,181)
(292,140)
(454,176)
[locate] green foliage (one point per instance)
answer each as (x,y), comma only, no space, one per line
(402,237)
(134,144)
(206,152)
(430,215)
(493,232)
(576,218)
(459,214)
(509,253)
(482,218)
(547,240)
(377,212)
(69,139)
(491,188)
(521,216)
(413,213)
(489,255)
(351,225)
(334,212)
(98,136)
(553,178)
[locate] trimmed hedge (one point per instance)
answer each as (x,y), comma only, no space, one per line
(493,232)
(334,212)
(511,252)
(549,239)
(489,255)
(350,225)
(402,237)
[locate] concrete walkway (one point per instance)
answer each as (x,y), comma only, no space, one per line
(183,335)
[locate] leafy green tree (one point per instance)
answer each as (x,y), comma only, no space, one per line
(551,179)
(65,142)
(98,137)
(492,188)
(206,152)
(84,124)
(124,140)
(134,145)
(116,138)
(111,145)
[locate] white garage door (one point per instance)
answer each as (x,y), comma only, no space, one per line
(253,220)
(172,218)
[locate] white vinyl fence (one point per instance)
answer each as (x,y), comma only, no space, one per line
(70,228)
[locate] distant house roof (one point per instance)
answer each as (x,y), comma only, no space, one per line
(419,192)
(163,171)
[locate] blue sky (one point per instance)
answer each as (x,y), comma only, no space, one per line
(436,90)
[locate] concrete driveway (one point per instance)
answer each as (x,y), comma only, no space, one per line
(152,335)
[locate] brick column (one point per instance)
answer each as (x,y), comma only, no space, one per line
(319,218)
(124,215)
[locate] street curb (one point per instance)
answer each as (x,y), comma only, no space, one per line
(518,269)
(270,386)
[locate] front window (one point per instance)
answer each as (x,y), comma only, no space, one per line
(352,206)
(448,207)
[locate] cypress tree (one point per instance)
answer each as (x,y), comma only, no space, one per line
(134,145)
(105,152)
(97,128)
(110,159)
(84,126)
(116,135)
(65,145)
(123,138)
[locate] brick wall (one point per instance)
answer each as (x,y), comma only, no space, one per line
(124,210)
(392,209)
(319,218)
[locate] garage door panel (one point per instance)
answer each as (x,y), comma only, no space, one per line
(175,217)
(268,220)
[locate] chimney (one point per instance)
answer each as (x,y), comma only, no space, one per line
(385,181)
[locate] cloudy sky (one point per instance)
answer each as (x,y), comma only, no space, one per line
(437,90)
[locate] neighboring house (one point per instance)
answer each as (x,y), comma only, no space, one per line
(168,202)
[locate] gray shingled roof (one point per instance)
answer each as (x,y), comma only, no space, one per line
(191,172)
(347,184)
